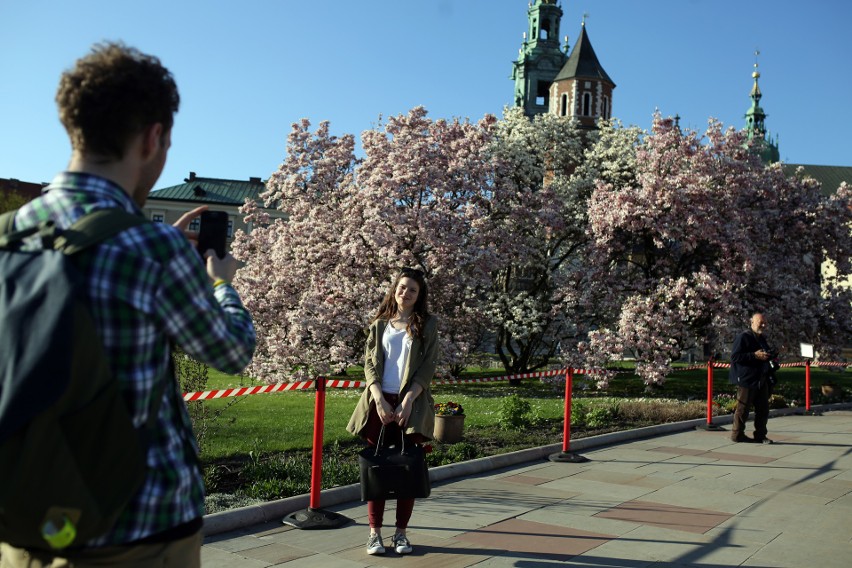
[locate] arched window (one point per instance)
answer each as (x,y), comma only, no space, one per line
(564,110)
(605,107)
(587,104)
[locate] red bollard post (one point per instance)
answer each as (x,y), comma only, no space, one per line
(313,517)
(565,455)
(807,385)
(709,425)
(319,429)
(710,391)
(566,427)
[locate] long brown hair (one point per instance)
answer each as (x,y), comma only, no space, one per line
(419,314)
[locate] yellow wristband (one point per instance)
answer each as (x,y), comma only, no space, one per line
(219,282)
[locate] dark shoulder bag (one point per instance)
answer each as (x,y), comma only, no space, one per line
(394,472)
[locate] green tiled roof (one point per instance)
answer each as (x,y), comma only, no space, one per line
(830,177)
(212,190)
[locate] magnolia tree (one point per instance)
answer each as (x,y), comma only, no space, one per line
(704,235)
(536,219)
(314,280)
(612,160)
(540,235)
(800,228)
(423,190)
(306,288)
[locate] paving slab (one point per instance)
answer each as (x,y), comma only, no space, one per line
(678,498)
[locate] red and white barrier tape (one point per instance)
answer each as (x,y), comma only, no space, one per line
(479,380)
(787,365)
(340,383)
(536,375)
(300,385)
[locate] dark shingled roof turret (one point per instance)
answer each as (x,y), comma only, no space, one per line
(583,62)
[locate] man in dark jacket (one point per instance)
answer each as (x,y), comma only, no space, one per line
(751,372)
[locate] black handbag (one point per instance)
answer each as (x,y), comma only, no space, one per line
(394,472)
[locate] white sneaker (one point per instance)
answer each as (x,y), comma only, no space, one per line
(401,544)
(375,545)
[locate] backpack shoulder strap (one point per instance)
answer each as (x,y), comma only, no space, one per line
(10,239)
(96,227)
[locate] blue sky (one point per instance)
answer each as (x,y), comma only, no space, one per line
(247,70)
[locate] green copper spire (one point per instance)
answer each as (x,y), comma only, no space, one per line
(540,57)
(755,124)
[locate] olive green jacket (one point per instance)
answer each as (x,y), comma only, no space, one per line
(420,368)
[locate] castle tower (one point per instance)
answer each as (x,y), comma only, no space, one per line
(756,125)
(582,89)
(539,58)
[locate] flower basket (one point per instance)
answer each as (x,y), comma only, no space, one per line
(449,422)
(449,428)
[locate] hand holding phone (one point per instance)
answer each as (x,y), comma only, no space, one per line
(213,233)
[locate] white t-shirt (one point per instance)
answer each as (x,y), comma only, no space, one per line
(396,344)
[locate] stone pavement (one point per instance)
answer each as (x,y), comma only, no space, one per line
(684,498)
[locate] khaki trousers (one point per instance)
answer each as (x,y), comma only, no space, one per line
(183,553)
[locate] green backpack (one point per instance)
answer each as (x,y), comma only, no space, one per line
(70,458)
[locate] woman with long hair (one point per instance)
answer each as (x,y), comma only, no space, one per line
(399,362)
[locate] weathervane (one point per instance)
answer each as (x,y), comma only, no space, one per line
(585,15)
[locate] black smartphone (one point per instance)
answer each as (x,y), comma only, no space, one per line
(213,233)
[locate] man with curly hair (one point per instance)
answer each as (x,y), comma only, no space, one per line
(148,289)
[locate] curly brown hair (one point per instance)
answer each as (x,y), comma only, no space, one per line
(112,94)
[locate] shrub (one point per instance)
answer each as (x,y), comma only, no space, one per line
(514,413)
(661,410)
(452,453)
(192,376)
(602,416)
(212,475)
(579,411)
(595,413)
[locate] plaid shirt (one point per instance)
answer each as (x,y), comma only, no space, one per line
(148,288)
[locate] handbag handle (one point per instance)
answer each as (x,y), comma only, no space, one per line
(381,437)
